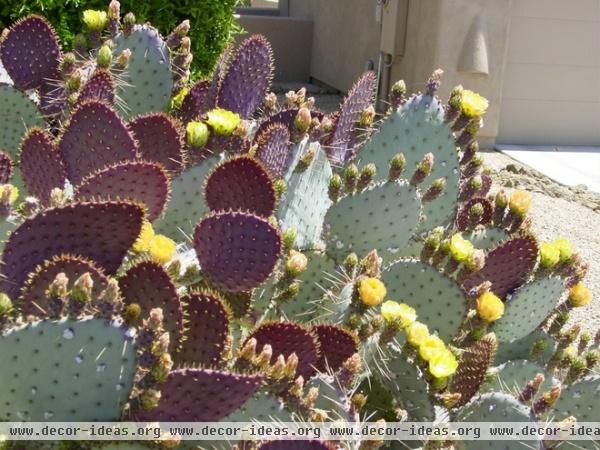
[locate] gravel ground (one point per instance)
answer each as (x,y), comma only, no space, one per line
(557,210)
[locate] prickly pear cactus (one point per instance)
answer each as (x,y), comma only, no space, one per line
(206,252)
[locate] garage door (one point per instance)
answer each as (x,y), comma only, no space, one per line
(551,91)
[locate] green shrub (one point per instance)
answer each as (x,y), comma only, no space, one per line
(212,21)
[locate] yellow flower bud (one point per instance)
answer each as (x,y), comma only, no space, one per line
(564,247)
(490,307)
(392,311)
(95,20)
(196,134)
(142,244)
(161,249)
(519,202)
(443,364)
(460,248)
(296,263)
(222,121)
(371,291)
(416,333)
(178,98)
(472,104)
(549,255)
(431,347)
(579,295)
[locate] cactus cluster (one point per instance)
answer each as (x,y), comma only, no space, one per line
(177,252)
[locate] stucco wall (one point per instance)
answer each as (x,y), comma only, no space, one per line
(346,36)
(551,93)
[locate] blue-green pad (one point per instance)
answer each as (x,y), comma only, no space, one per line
(320,275)
(513,376)
(7,225)
(147,81)
(487,238)
(306,200)
(415,129)
(521,349)
(262,407)
(383,217)
(496,407)
(187,204)
(527,308)
(66,370)
(440,302)
(406,384)
(19,113)
(334,306)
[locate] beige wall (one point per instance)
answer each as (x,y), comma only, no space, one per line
(551,93)
(346,36)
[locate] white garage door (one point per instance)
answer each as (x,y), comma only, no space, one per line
(551,91)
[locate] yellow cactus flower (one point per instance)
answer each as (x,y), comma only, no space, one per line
(296,263)
(489,307)
(472,104)
(564,247)
(392,311)
(416,333)
(371,291)
(549,255)
(431,347)
(519,202)
(142,244)
(460,248)
(161,249)
(222,121)
(579,295)
(443,364)
(95,20)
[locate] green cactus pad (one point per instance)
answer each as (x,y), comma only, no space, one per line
(187,203)
(306,200)
(580,399)
(383,217)
(528,308)
(513,376)
(19,113)
(7,225)
(521,348)
(496,407)
(487,238)
(438,300)
(260,407)
(66,370)
(415,129)
(147,82)
(406,383)
(330,397)
(380,404)
(334,306)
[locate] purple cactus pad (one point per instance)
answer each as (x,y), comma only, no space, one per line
(33,298)
(41,164)
(286,338)
(464,221)
(100,87)
(150,286)
(159,140)
(507,266)
(207,334)
(336,344)
(30,52)
(246,82)
(196,102)
(6,168)
(273,149)
(94,138)
(297,445)
(240,184)
(359,98)
(201,395)
(237,251)
(102,232)
(138,181)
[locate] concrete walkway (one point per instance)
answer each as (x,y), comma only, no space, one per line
(571,166)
